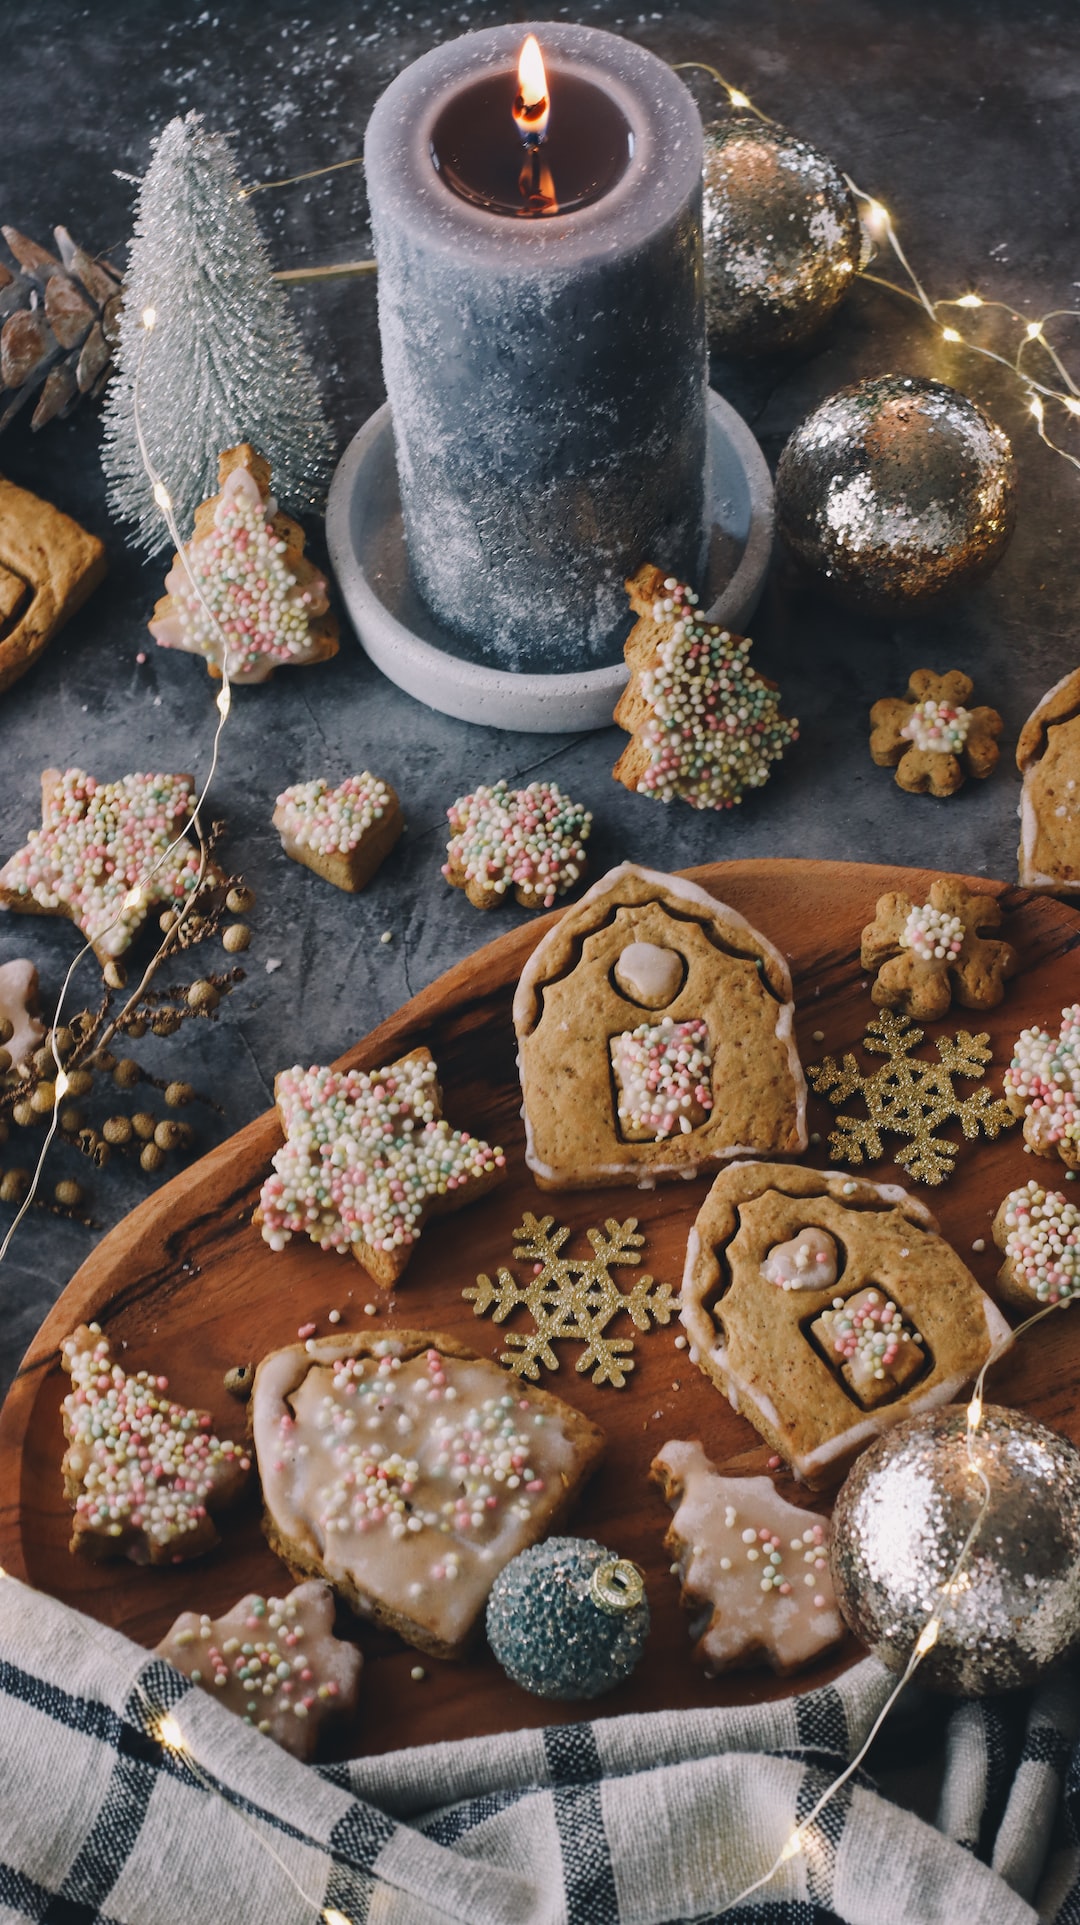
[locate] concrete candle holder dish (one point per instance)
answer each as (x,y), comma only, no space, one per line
(366,539)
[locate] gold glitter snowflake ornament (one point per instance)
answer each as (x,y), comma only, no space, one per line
(574,1298)
(910,1099)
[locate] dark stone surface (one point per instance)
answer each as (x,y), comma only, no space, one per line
(960,117)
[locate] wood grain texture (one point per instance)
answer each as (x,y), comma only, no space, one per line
(186,1286)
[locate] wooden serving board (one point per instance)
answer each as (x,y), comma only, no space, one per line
(186,1286)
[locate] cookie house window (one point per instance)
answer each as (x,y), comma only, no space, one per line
(870,1345)
(663,1079)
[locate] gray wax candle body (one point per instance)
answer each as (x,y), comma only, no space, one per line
(547,377)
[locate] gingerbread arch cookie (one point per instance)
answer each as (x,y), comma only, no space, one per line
(656,1039)
(407,1471)
(827,1308)
(1048,757)
(48,567)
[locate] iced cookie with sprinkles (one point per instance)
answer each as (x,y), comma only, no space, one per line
(932,741)
(407,1471)
(106,853)
(1048,757)
(1038,1232)
(754,1569)
(274,1661)
(655,1033)
(529,841)
(929,954)
(243,591)
(345,833)
(825,1308)
(145,1476)
(704,725)
(1042,1084)
(367,1158)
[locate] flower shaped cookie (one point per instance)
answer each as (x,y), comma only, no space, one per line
(932,741)
(931,954)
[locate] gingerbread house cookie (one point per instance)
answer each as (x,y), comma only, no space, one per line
(343,834)
(879,1322)
(407,1471)
(655,1036)
(1048,757)
(274,1661)
(754,1569)
(368,1157)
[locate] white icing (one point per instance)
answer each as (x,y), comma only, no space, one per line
(649,973)
(805,1262)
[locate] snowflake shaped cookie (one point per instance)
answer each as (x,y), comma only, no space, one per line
(247,594)
(910,1099)
(106,852)
(343,834)
(145,1475)
(368,1157)
(274,1661)
(573,1298)
(932,741)
(1038,1232)
(531,841)
(705,726)
(927,954)
(1042,1084)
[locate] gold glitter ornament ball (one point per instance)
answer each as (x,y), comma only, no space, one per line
(897,490)
(781,234)
(899,1526)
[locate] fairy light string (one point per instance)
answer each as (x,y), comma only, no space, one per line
(1040,391)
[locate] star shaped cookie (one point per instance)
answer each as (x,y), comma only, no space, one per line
(368,1157)
(104,854)
(932,741)
(274,1661)
(929,954)
(144,1475)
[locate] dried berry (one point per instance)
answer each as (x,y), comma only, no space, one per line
(63,1041)
(151,1158)
(103,1059)
(178,1094)
(71,1121)
(167,920)
(203,997)
(114,973)
(144,1125)
(236,938)
(117,1130)
(94,1146)
(79,1082)
(135,1026)
(43,1098)
(23,1113)
(42,1061)
(171,1136)
(238,1381)
(7,1029)
(69,1194)
(127,1073)
(240,899)
(14,1185)
(165,1022)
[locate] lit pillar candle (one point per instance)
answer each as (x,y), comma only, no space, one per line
(543,337)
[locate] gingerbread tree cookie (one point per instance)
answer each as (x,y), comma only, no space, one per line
(754,1569)
(274,1661)
(1048,757)
(1038,1232)
(928,955)
(343,834)
(247,593)
(105,853)
(705,727)
(932,741)
(368,1157)
(529,840)
(145,1475)
(1042,1084)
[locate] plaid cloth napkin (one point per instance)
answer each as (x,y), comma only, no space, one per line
(622,1821)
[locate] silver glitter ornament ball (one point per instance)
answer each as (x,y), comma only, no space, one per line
(900,1523)
(568,1619)
(897,490)
(782,238)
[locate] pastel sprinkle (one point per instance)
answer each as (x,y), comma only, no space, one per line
(1043,1242)
(1044,1077)
(332,821)
(932,935)
(937,727)
(664,1076)
(529,839)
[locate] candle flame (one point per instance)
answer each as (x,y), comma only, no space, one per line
(531,106)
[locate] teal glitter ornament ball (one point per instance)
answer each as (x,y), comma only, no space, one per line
(568,1619)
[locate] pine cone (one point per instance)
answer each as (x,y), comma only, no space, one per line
(59,326)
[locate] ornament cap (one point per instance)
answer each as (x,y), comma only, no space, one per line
(617,1586)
